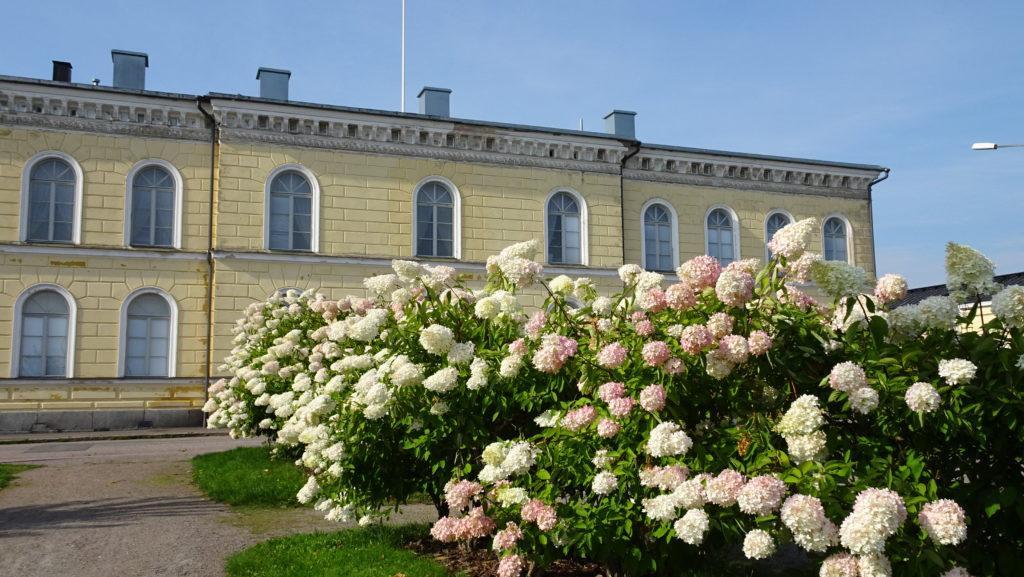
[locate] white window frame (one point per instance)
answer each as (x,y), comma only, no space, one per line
(314,184)
(19,304)
(675,231)
(735,230)
(456,217)
(850,259)
(584,226)
(178,192)
(768,217)
(172,334)
(26,175)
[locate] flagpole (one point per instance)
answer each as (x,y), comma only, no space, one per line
(403,55)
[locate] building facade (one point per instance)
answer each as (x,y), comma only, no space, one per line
(139,224)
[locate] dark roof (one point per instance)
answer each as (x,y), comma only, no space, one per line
(917,295)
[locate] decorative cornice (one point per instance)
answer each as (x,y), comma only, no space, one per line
(744,184)
(398,148)
(67,108)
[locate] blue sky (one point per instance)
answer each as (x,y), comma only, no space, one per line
(909,85)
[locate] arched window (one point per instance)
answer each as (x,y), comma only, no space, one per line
(835,239)
(291,212)
(659,237)
(775,222)
(565,229)
(153,207)
(721,235)
(435,220)
(147,335)
(45,332)
(51,201)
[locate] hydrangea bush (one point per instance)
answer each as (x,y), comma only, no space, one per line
(723,413)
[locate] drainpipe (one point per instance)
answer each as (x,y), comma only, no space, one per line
(871,219)
(635,146)
(210,270)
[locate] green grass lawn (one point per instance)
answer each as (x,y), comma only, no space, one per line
(9,472)
(364,552)
(248,476)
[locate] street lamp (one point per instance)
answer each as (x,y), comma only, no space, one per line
(993,146)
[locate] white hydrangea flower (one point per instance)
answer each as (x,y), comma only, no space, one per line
(442,381)
(602,306)
(922,398)
(1008,306)
(803,417)
(561,284)
(758,544)
(461,353)
(864,400)
(477,374)
(604,483)
(692,526)
(810,447)
(839,279)
(668,439)
(957,371)
(437,339)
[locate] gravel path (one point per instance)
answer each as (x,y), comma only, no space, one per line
(128,508)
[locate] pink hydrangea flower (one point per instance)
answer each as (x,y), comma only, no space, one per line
(653,300)
(637,316)
(612,356)
(555,350)
(607,428)
(460,494)
(674,366)
(701,271)
(507,537)
(537,512)
(890,287)
(680,296)
(644,328)
(734,348)
(511,566)
(655,353)
(695,338)
(577,419)
(652,398)
(517,347)
(723,488)
(536,324)
(720,324)
(611,390)
(759,343)
(621,407)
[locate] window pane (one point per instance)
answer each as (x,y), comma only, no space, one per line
(55,346)
(55,366)
(162,237)
(136,346)
(32,326)
(301,241)
(32,346)
(425,247)
(301,223)
(444,232)
(30,366)
(157,367)
(62,231)
(135,367)
(302,205)
(57,326)
(572,255)
(280,240)
(444,214)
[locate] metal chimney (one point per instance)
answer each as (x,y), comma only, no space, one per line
(61,71)
(273,83)
(435,101)
(130,69)
(621,123)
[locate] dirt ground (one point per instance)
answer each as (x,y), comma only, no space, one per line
(128,509)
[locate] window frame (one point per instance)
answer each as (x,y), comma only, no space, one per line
(584,226)
(768,217)
(456,216)
(674,218)
(178,202)
(849,236)
(314,185)
(26,176)
(172,333)
(735,230)
(19,305)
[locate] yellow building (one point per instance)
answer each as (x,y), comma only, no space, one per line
(139,224)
